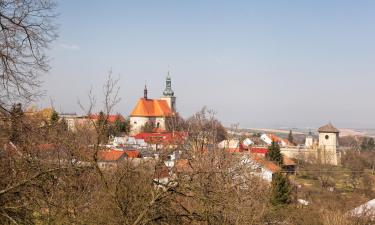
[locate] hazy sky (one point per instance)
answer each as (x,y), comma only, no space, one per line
(257,63)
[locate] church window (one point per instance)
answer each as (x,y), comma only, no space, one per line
(327,137)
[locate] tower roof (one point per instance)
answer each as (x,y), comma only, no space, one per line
(329,128)
(151,108)
(168,87)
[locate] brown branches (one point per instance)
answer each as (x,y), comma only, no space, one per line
(26,31)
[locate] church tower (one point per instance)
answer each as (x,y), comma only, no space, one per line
(329,144)
(168,94)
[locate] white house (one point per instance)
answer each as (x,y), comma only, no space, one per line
(232,143)
(269,138)
(247,142)
(235,143)
(262,168)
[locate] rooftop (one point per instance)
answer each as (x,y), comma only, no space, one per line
(152,108)
(329,128)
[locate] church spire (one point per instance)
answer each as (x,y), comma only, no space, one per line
(168,92)
(145,92)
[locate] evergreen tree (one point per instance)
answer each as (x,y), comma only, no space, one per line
(280,190)
(16,115)
(274,153)
(54,120)
(290,137)
(119,126)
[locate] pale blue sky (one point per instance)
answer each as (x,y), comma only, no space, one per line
(258,63)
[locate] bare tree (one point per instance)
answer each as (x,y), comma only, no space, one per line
(27,29)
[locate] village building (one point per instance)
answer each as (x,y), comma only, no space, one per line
(153,112)
(269,138)
(309,141)
(110,158)
(326,151)
(328,144)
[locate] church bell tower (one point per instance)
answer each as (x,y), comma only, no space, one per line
(168,94)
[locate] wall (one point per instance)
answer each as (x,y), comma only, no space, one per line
(137,123)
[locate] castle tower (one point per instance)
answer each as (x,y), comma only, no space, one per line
(328,144)
(168,94)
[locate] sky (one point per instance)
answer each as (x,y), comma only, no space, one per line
(262,63)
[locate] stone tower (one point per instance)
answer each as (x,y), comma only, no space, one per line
(168,94)
(328,144)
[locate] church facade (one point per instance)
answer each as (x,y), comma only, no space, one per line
(153,112)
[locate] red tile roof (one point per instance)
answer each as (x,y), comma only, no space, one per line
(266,164)
(275,138)
(288,162)
(110,118)
(259,150)
(114,155)
(132,153)
(152,108)
(110,155)
(162,138)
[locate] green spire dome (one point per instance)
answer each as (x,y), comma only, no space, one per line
(168,87)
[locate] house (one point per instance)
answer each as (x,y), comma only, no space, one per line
(269,138)
(162,139)
(153,112)
(110,158)
(288,166)
(247,142)
(229,144)
(234,145)
(74,121)
(263,168)
(161,176)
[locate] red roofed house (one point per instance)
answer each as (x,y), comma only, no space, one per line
(169,138)
(269,138)
(153,111)
(260,151)
(261,166)
(109,158)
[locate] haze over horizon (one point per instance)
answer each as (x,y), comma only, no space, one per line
(257,63)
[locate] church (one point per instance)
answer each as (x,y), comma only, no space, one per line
(153,111)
